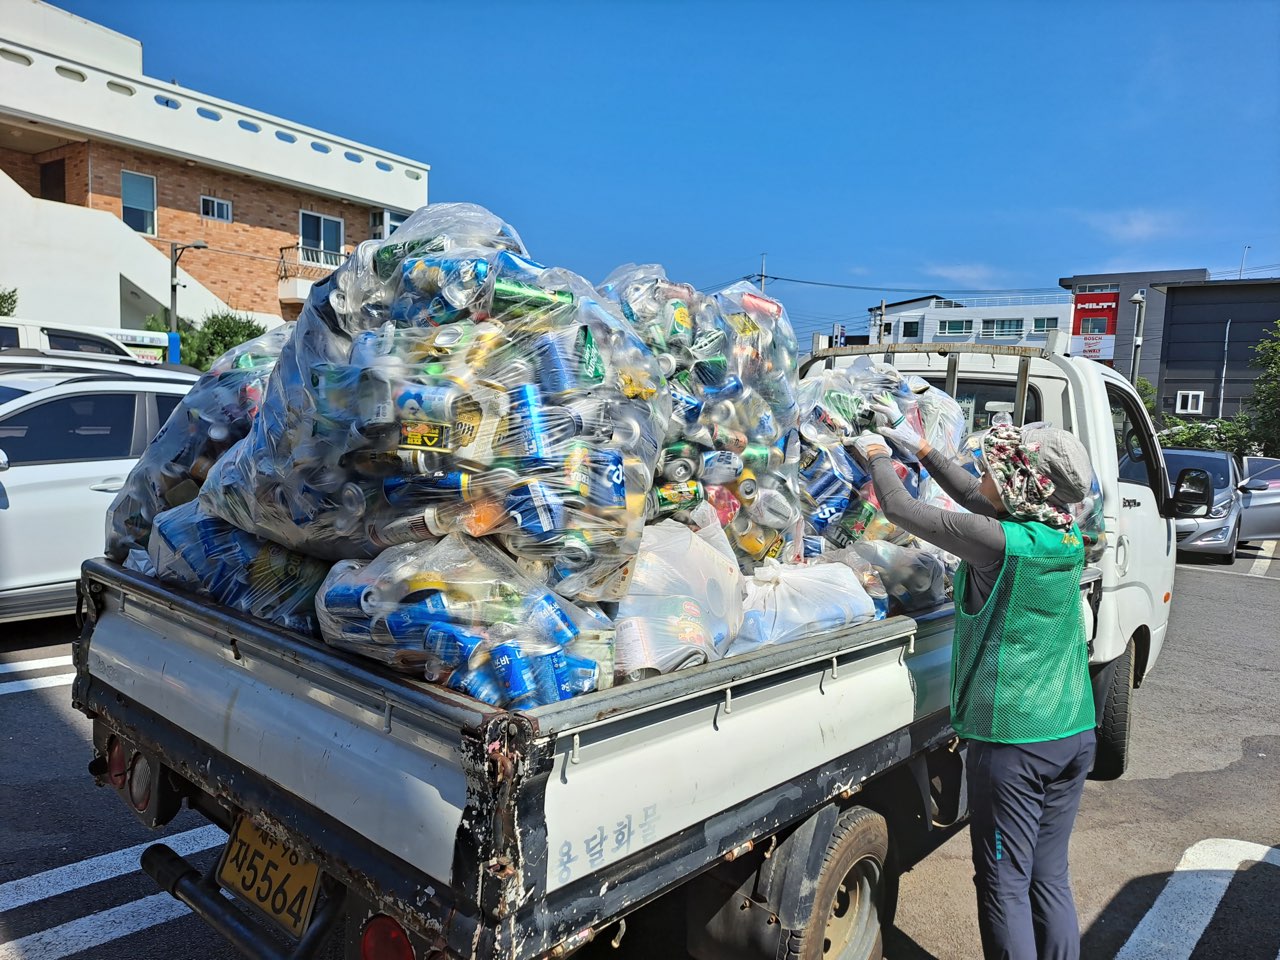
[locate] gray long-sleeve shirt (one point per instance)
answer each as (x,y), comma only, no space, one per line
(975,537)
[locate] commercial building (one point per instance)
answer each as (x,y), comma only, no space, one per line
(103,170)
(1107,309)
(1211,328)
(1011,320)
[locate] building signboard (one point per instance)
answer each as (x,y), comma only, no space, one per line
(1093,325)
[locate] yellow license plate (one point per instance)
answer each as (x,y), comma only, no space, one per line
(265,873)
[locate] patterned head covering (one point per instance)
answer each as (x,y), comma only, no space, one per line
(1022,480)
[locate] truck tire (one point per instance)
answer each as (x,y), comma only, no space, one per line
(1114,725)
(853,894)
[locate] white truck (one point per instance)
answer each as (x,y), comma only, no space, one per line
(778,793)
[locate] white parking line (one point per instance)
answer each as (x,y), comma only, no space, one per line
(1265,556)
(36,683)
(51,883)
(95,929)
(22,666)
(1176,921)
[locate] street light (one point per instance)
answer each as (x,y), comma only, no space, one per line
(1139,314)
(175,254)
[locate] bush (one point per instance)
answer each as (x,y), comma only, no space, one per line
(8,302)
(1265,402)
(1234,434)
(216,334)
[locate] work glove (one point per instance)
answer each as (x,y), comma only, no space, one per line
(868,445)
(892,423)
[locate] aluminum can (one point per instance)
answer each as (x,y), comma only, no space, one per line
(608,479)
(672,497)
(511,296)
(353,601)
(515,674)
(480,684)
(573,553)
(710,371)
(677,321)
(761,304)
(556,365)
(451,644)
(536,509)
(725,503)
(531,423)
(577,469)
(580,675)
(547,616)
(725,438)
(812,547)
(761,457)
(720,466)
(772,509)
(685,407)
(425,401)
(681,461)
(753,539)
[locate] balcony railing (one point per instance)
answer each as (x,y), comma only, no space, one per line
(956,303)
(309,263)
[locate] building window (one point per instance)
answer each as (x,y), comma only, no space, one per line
(138,201)
(1093,325)
(1190,401)
(910,329)
(382,223)
(1043,325)
(320,239)
(1098,288)
(948,328)
(211,208)
(1002,327)
(886,331)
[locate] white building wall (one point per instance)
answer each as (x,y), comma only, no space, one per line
(61,70)
(75,266)
(931,318)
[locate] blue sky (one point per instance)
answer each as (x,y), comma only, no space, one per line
(920,145)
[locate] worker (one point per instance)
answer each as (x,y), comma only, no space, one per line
(1020,690)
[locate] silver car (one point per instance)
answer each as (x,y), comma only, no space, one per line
(1245,507)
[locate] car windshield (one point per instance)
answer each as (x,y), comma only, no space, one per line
(10,393)
(1217,464)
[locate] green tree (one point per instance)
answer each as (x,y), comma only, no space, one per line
(1147,392)
(8,301)
(1265,401)
(1235,434)
(203,343)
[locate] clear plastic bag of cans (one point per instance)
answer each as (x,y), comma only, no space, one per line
(683,608)
(866,574)
(213,415)
(730,360)
(914,579)
(785,603)
(458,612)
(190,547)
(440,382)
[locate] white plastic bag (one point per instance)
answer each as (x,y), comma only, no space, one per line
(789,602)
(683,607)
(917,580)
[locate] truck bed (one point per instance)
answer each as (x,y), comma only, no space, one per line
(496,833)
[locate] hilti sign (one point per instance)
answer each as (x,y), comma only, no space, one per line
(1093,325)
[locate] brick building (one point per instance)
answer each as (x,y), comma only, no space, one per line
(81,126)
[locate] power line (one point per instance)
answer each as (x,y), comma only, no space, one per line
(856,286)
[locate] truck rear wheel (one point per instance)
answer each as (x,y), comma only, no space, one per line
(1114,727)
(852,896)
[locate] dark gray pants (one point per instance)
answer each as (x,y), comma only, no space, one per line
(1023,800)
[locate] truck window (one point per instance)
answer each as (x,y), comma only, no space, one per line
(1135,446)
(8,338)
(80,344)
(974,395)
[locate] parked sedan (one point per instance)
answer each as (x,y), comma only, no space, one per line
(1218,533)
(68,438)
(1260,516)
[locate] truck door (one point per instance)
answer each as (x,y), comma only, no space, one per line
(1144,550)
(1260,519)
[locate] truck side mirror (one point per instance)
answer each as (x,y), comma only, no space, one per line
(1193,492)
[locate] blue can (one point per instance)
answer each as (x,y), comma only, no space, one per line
(545,674)
(727,389)
(812,547)
(408,623)
(528,412)
(547,617)
(481,684)
(831,508)
(512,266)
(685,407)
(432,485)
(515,674)
(555,365)
(347,600)
(430,275)
(453,645)
(608,479)
(537,510)
(580,675)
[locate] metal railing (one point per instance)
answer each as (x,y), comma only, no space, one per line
(957,303)
(308,263)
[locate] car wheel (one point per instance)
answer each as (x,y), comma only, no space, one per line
(1228,558)
(1113,692)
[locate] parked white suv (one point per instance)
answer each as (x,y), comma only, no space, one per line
(70,431)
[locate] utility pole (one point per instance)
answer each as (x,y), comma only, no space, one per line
(880,323)
(762,273)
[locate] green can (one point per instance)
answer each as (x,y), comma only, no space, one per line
(761,457)
(512,296)
(387,260)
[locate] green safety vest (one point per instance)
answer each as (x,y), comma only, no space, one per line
(1020,665)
